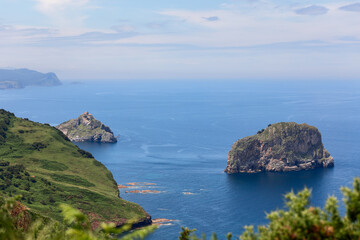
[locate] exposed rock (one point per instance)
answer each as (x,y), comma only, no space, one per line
(136,185)
(281,147)
(142,223)
(188,193)
(143,191)
(141,184)
(163,222)
(87,129)
(20,78)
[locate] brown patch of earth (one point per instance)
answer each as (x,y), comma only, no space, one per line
(188,193)
(143,191)
(96,220)
(141,184)
(136,185)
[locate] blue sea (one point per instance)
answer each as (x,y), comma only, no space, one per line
(177,134)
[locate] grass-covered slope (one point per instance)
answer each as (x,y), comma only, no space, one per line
(40,163)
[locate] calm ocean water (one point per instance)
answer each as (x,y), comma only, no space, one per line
(177,135)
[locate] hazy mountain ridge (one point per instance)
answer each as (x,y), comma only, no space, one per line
(20,78)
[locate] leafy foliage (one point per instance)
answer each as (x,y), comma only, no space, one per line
(5,118)
(85,153)
(38,146)
(302,221)
(15,224)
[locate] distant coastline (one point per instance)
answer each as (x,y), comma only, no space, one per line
(21,78)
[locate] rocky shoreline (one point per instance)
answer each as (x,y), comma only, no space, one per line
(148,220)
(143,222)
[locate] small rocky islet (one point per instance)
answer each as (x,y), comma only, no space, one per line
(86,128)
(281,147)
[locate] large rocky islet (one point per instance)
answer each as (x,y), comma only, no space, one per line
(281,147)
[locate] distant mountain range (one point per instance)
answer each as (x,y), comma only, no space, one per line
(20,78)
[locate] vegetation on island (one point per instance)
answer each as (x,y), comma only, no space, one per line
(42,165)
(86,128)
(284,146)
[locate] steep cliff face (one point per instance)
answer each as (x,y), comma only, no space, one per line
(87,129)
(285,146)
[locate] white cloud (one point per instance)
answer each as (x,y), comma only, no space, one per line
(313,10)
(232,41)
(64,13)
(54,6)
(351,7)
(123,28)
(226,27)
(257,27)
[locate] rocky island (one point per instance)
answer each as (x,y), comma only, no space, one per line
(86,128)
(20,78)
(281,147)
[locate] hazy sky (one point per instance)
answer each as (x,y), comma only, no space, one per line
(183,39)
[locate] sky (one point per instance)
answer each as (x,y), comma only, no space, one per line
(183,39)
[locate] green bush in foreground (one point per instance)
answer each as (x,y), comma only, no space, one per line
(15,225)
(301,221)
(298,221)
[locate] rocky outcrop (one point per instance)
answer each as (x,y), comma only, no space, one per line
(281,147)
(20,78)
(142,222)
(87,129)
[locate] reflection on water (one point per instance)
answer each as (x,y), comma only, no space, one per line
(283,180)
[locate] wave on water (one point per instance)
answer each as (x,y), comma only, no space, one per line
(146,147)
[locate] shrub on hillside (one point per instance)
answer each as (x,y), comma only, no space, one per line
(38,146)
(15,224)
(4,124)
(85,154)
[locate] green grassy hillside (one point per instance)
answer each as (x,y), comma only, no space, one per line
(40,163)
